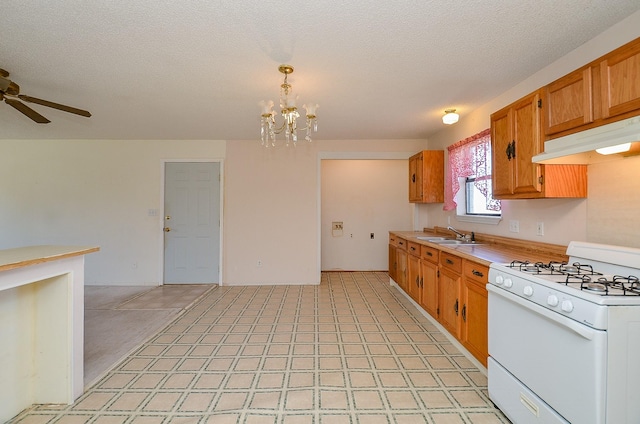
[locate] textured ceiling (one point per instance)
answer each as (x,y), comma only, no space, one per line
(159,69)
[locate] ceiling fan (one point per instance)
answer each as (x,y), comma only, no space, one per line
(10,93)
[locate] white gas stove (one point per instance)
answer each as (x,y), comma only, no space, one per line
(564,338)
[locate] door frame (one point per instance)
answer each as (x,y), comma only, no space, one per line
(161,217)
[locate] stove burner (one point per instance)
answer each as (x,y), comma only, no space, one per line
(582,275)
(539,268)
(596,287)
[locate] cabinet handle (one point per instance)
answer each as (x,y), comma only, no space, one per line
(413,248)
(429,254)
(477,273)
(511,150)
(449,261)
(417,281)
(413,178)
(422,282)
(456,307)
(464,313)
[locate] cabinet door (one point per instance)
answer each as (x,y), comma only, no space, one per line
(429,284)
(393,263)
(528,143)
(449,300)
(415,178)
(620,80)
(501,138)
(401,258)
(474,320)
(413,279)
(568,102)
(432,176)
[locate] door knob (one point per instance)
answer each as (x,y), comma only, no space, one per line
(166,229)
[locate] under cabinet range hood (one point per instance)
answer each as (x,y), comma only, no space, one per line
(580,148)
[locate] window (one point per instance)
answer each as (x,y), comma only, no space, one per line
(470,168)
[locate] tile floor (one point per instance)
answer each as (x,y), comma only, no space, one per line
(351,350)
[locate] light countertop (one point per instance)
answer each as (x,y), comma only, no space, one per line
(30,255)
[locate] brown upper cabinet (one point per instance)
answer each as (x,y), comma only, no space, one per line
(603,91)
(426,177)
(620,81)
(516,136)
(568,102)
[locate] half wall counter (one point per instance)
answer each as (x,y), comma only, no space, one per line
(41,326)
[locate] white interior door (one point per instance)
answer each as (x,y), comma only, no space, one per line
(192,222)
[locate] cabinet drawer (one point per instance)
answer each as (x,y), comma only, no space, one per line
(393,240)
(429,253)
(413,248)
(476,272)
(402,243)
(451,262)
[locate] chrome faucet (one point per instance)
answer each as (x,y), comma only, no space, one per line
(461,235)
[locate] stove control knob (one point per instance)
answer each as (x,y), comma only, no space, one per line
(552,300)
(528,291)
(508,283)
(566,306)
(499,280)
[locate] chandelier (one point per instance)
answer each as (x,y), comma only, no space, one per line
(289,111)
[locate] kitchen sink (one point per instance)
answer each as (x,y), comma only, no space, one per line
(447,241)
(456,242)
(431,239)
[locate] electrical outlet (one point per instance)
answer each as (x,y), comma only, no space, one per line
(514,226)
(540,228)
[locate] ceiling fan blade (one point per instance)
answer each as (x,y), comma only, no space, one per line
(21,107)
(55,105)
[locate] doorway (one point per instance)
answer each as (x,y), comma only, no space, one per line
(192,222)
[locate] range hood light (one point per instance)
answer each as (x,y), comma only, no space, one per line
(619,148)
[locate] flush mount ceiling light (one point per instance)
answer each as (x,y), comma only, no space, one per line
(289,112)
(619,148)
(450,116)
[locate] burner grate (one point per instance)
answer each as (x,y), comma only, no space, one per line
(583,276)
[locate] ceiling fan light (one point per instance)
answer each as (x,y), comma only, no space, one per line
(618,148)
(450,117)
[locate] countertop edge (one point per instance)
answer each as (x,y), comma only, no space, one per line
(32,255)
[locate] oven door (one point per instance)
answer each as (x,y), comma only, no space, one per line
(560,362)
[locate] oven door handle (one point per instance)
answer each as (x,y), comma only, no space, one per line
(559,319)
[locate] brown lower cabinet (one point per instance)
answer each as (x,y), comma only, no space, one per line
(448,287)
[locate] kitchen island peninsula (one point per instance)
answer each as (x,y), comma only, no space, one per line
(41,326)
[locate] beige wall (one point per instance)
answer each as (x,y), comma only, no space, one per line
(272,206)
(597,218)
(367,196)
(93,192)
